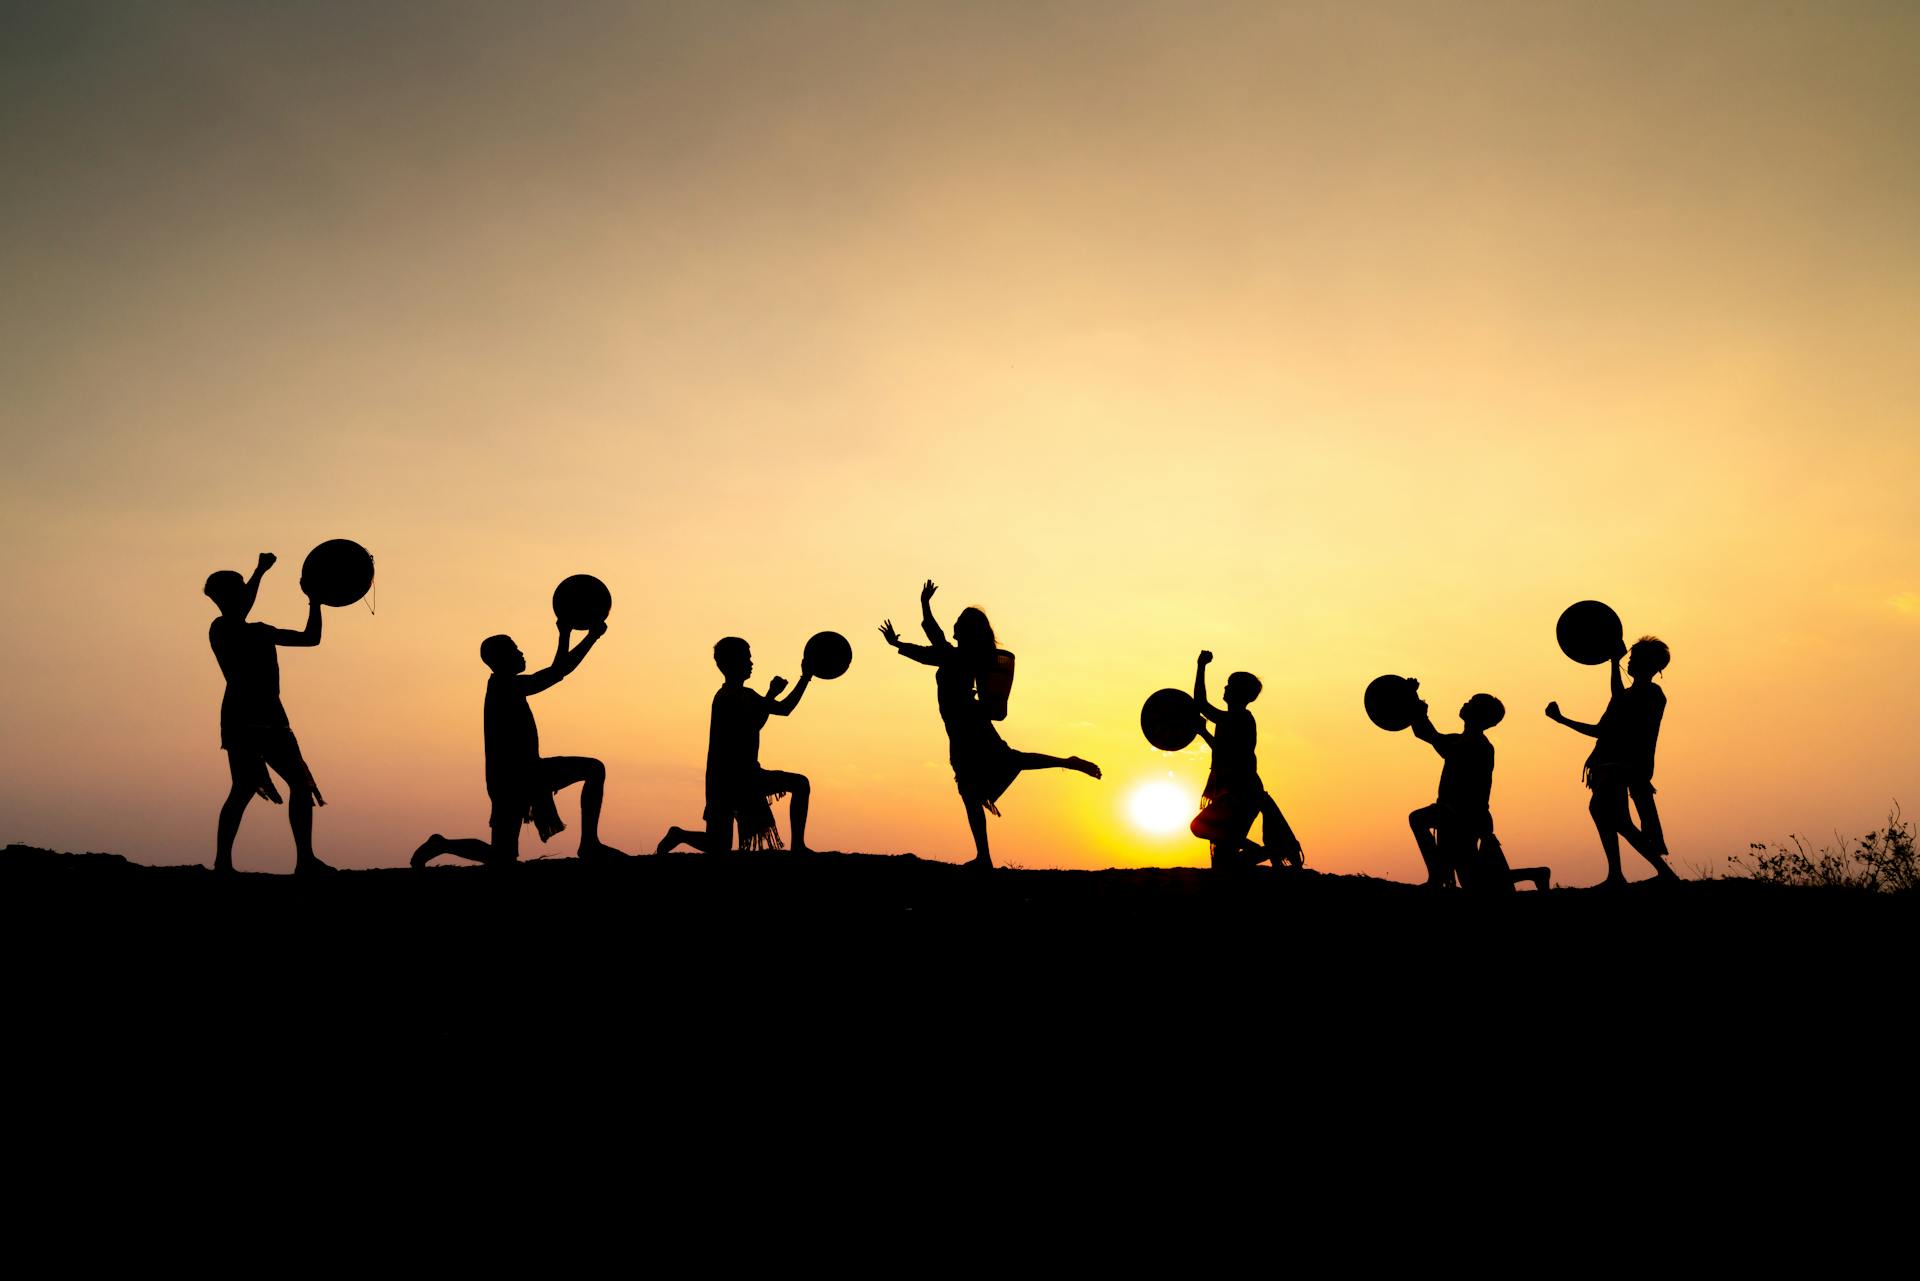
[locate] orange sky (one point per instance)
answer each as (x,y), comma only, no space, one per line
(1337,339)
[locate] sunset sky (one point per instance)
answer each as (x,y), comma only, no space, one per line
(1340,339)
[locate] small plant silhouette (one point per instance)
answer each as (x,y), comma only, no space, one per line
(1883,862)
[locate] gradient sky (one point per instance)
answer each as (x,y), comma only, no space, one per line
(1339,339)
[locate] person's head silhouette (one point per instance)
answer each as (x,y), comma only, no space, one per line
(1648,657)
(1482,712)
(1242,688)
(228,590)
(972,633)
(502,655)
(734,658)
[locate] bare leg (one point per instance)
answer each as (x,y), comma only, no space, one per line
(1652,842)
(1039,760)
(1538,875)
(229,827)
(677,835)
(592,775)
(719,835)
(797,787)
(1439,874)
(300,818)
(1602,807)
(467,847)
(977,823)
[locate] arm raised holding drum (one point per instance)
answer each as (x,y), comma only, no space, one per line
(1205,710)
(565,660)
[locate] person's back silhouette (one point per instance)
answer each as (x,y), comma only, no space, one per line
(971,679)
(1455,833)
(520,781)
(254,729)
(1234,795)
(739,791)
(1620,767)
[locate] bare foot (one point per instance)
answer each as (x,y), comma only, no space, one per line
(311,864)
(599,853)
(1084,766)
(428,848)
(674,836)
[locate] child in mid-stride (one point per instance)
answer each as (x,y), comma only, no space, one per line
(1234,795)
(739,791)
(1620,767)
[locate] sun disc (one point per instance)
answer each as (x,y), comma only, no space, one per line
(1159,807)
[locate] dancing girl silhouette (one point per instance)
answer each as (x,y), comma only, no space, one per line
(971,678)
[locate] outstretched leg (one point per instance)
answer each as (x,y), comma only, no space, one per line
(1039,760)
(504,848)
(677,835)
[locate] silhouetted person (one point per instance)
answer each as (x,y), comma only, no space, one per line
(983,765)
(520,781)
(1234,794)
(1621,763)
(1455,833)
(739,792)
(253,725)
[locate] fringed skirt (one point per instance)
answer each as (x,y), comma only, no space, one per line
(748,803)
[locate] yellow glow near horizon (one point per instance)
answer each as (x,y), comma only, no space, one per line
(1160,806)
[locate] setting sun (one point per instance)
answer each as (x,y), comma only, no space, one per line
(1160,807)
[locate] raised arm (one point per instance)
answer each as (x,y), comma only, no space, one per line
(260,569)
(927,622)
(306,636)
(1614,675)
(1423,730)
(1200,703)
(777,706)
(1579,727)
(564,660)
(918,653)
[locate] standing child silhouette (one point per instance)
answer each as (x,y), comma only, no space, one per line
(739,792)
(1234,794)
(983,765)
(1620,767)
(253,724)
(520,781)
